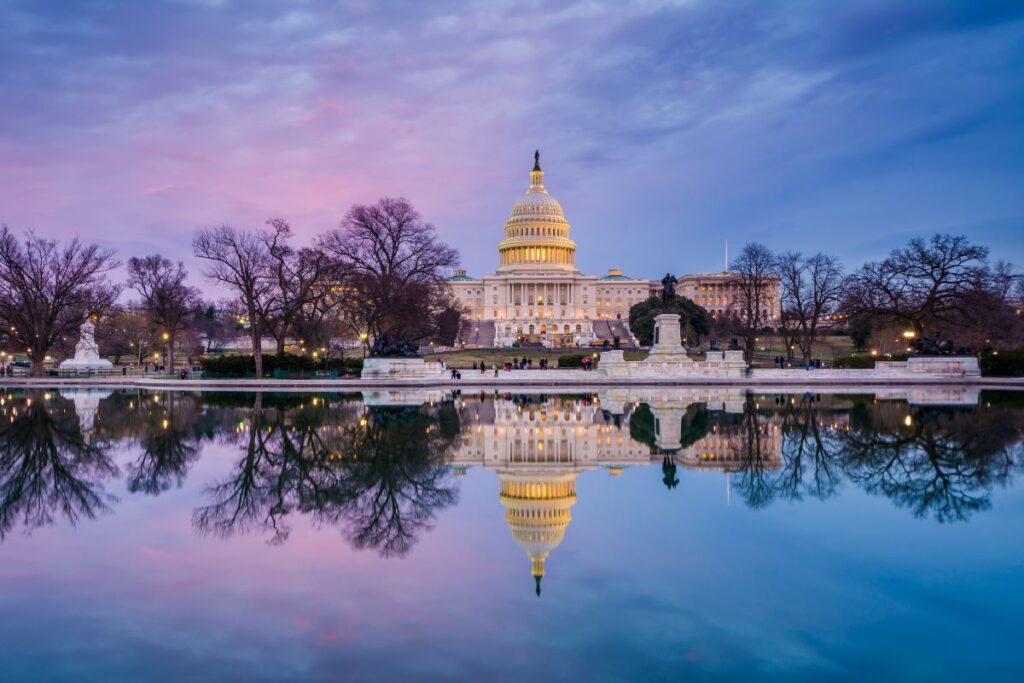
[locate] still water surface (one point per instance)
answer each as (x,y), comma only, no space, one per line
(669,535)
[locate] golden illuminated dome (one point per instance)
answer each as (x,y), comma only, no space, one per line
(537,509)
(537,234)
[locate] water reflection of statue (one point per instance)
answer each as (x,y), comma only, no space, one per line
(87,404)
(47,466)
(668,471)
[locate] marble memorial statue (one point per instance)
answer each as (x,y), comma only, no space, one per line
(87,355)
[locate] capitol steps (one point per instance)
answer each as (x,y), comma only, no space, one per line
(479,333)
(608,330)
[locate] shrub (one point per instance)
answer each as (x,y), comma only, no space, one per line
(575,360)
(854,362)
(1002,363)
(348,366)
(694,319)
(245,366)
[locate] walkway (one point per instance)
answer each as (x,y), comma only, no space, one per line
(560,380)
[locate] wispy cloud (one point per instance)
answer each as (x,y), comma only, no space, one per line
(681,121)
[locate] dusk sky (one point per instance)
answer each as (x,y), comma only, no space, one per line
(664,127)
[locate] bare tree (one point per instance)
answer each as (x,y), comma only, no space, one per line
(216,323)
(166,299)
(752,309)
(239,260)
(126,332)
(301,283)
(984,316)
(394,266)
(811,287)
(47,292)
(920,285)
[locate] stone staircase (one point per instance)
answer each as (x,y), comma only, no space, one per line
(478,333)
(609,329)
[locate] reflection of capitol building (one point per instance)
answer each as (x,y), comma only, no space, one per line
(538,450)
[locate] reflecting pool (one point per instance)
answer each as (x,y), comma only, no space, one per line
(628,534)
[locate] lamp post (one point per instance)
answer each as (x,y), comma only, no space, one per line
(363,337)
(167,352)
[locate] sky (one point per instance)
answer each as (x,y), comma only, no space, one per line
(665,127)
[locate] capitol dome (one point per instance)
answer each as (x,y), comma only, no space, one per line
(536,233)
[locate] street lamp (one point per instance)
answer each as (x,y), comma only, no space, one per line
(909,334)
(363,337)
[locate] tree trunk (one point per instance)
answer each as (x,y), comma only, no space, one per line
(280,345)
(170,355)
(37,369)
(257,352)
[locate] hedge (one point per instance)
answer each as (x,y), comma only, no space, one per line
(575,360)
(245,366)
(1002,363)
(854,362)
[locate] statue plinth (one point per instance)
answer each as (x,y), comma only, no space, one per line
(668,345)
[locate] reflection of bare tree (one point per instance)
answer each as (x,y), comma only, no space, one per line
(942,462)
(809,464)
(167,428)
(935,461)
(397,480)
(754,481)
(47,468)
(169,442)
(381,475)
(247,502)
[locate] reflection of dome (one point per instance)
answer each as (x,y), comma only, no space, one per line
(537,234)
(537,510)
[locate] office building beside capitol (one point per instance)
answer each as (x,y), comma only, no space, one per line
(539,296)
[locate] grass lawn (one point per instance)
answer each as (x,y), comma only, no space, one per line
(826,348)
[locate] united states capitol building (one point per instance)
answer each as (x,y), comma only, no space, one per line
(539,296)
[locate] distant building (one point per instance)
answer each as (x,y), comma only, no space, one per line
(719,293)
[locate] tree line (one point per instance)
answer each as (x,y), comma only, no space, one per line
(381,272)
(939,295)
